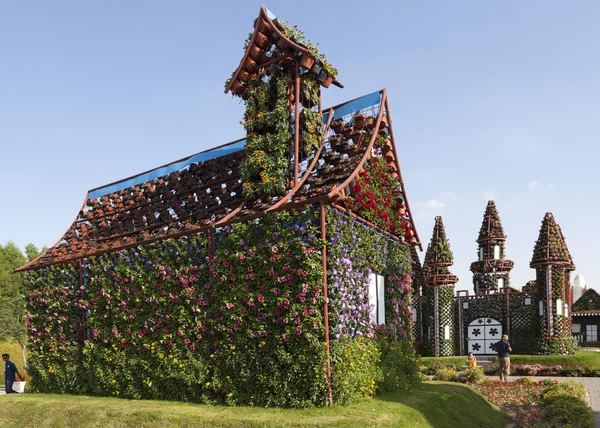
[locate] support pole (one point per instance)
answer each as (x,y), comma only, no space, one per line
(297,123)
(326,305)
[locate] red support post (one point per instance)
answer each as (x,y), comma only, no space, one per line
(326,305)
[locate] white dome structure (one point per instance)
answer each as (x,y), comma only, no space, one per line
(579,284)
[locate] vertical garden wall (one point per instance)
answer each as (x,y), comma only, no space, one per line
(367,357)
(186,320)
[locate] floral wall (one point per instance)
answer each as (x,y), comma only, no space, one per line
(368,357)
(178,320)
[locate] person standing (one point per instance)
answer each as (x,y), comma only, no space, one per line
(10,374)
(503,348)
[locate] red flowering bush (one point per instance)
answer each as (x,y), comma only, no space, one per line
(375,196)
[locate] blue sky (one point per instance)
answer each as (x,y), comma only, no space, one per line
(490,100)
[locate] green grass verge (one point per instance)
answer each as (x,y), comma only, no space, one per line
(433,404)
(456,362)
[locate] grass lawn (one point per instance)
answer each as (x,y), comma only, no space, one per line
(433,404)
(457,362)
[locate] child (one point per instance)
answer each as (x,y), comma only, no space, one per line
(472,361)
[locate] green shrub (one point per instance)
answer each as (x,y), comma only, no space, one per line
(446,374)
(471,375)
(565,404)
(355,369)
(399,365)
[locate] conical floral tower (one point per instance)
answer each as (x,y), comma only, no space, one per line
(439,293)
(491,271)
(553,265)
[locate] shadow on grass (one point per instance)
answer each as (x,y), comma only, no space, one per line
(450,405)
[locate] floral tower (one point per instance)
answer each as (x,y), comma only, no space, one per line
(439,293)
(553,265)
(491,271)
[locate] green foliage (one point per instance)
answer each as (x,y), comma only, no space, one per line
(267,122)
(471,375)
(445,374)
(355,369)
(32,252)
(565,404)
(399,365)
(438,250)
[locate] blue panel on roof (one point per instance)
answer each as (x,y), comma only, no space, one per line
(270,14)
(165,170)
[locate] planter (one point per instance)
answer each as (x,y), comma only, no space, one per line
(243,75)
(359,121)
(370,123)
(320,78)
(337,126)
(237,87)
(315,70)
(250,65)
(383,124)
(328,80)
(334,140)
(357,138)
(342,148)
(385,149)
(307,61)
(283,45)
(255,52)
(347,131)
(262,40)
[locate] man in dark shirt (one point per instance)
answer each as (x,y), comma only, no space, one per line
(10,374)
(503,348)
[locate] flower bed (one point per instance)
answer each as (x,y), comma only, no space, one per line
(543,403)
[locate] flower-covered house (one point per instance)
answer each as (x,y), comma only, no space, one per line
(280,261)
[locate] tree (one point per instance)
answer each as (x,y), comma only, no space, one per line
(32,252)
(12,287)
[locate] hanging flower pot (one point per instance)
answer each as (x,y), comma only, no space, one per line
(283,45)
(370,123)
(250,65)
(328,80)
(337,126)
(359,121)
(237,87)
(383,124)
(316,68)
(357,138)
(347,131)
(307,61)
(334,140)
(255,52)
(262,41)
(243,75)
